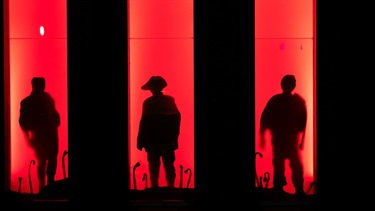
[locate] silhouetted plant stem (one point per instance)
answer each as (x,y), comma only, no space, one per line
(63,163)
(134,179)
(145,178)
(258,182)
(181,169)
(311,186)
(186,171)
(266,178)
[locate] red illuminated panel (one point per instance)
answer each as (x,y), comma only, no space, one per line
(31,54)
(289,18)
(284,45)
(161,19)
(288,57)
(161,43)
(26,17)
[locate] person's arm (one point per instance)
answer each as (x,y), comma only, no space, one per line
(176,121)
(264,119)
(177,128)
(304,122)
(140,137)
(22,120)
(24,123)
(262,138)
(302,143)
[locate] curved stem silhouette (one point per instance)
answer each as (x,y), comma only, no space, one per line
(186,171)
(134,179)
(266,178)
(181,169)
(32,162)
(63,163)
(145,178)
(19,184)
(311,185)
(258,182)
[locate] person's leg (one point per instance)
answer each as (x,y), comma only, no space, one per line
(154,168)
(296,167)
(278,162)
(41,172)
(170,171)
(51,170)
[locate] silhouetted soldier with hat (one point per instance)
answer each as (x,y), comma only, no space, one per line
(159,130)
(40,120)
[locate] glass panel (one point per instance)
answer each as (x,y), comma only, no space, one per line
(284,19)
(37,48)
(288,57)
(161,44)
(285,44)
(160,19)
(27,16)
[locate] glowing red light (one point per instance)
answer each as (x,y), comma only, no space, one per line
(279,24)
(161,43)
(30,56)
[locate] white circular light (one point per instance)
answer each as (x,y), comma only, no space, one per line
(41,30)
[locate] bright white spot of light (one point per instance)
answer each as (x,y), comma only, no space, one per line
(41,30)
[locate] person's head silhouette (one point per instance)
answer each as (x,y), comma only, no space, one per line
(288,83)
(38,84)
(155,84)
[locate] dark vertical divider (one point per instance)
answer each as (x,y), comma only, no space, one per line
(224,102)
(5,100)
(97,101)
(343,91)
(3,170)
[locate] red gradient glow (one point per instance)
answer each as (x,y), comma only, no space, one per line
(31,54)
(284,44)
(161,43)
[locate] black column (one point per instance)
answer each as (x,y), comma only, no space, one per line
(344,111)
(97,101)
(5,102)
(224,102)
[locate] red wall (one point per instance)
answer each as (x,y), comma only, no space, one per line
(284,44)
(31,54)
(161,43)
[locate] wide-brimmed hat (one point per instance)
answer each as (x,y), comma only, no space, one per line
(155,82)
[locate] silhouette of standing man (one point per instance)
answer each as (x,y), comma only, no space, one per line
(40,121)
(159,130)
(285,116)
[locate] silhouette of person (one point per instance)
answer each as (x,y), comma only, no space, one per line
(39,121)
(159,130)
(285,116)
